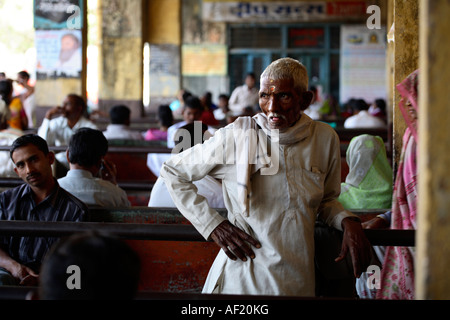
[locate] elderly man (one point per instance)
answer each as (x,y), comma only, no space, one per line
(60,123)
(39,199)
(268,239)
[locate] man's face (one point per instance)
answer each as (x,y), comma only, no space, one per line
(70,108)
(190,115)
(21,80)
(33,166)
(282,104)
(250,82)
(68,43)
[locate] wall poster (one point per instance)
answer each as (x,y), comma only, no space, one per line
(362,63)
(58,54)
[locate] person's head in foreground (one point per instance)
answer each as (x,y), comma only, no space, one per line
(90,266)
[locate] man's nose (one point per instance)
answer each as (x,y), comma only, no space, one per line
(29,168)
(273,105)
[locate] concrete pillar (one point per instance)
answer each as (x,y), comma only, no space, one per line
(433,246)
(406,60)
(120,57)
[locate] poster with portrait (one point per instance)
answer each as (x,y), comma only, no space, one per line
(58,53)
(61,14)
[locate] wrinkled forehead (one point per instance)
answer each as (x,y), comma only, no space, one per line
(276,85)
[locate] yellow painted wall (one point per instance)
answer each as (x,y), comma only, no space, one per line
(50,93)
(162,22)
(121,52)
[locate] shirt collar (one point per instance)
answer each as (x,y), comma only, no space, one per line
(51,198)
(79,173)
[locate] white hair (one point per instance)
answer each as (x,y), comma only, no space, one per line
(288,68)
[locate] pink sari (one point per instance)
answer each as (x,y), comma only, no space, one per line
(397,275)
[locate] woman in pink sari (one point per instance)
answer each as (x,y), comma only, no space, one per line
(397,275)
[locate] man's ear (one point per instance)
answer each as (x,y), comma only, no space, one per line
(67,155)
(51,157)
(306,98)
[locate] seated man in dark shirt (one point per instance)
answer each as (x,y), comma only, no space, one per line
(39,199)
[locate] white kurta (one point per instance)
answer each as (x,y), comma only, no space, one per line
(282,210)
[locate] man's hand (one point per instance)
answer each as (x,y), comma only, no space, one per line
(375,223)
(26,276)
(108,171)
(30,280)
(355,242)
(54,112)
(233,241)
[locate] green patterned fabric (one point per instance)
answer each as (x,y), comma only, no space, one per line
(368,184)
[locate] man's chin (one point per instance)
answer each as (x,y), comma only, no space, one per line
(278,125)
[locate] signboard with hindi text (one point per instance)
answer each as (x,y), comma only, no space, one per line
(282,11)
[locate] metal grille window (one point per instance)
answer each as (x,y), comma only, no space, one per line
(316,45)
(255,38)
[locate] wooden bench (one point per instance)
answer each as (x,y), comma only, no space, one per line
(345,135)
(23,293)
(174,256)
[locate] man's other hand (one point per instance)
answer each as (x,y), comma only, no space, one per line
(234,242)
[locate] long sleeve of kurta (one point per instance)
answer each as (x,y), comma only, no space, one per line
(46,133)
(179,172)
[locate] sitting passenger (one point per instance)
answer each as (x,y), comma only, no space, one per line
(60,123)
(7,137)
(368,185)
(119,128)
(165,118)
(18,118)
(208,187)
(361,117)
(39,199)
(86,152)
(192,111)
